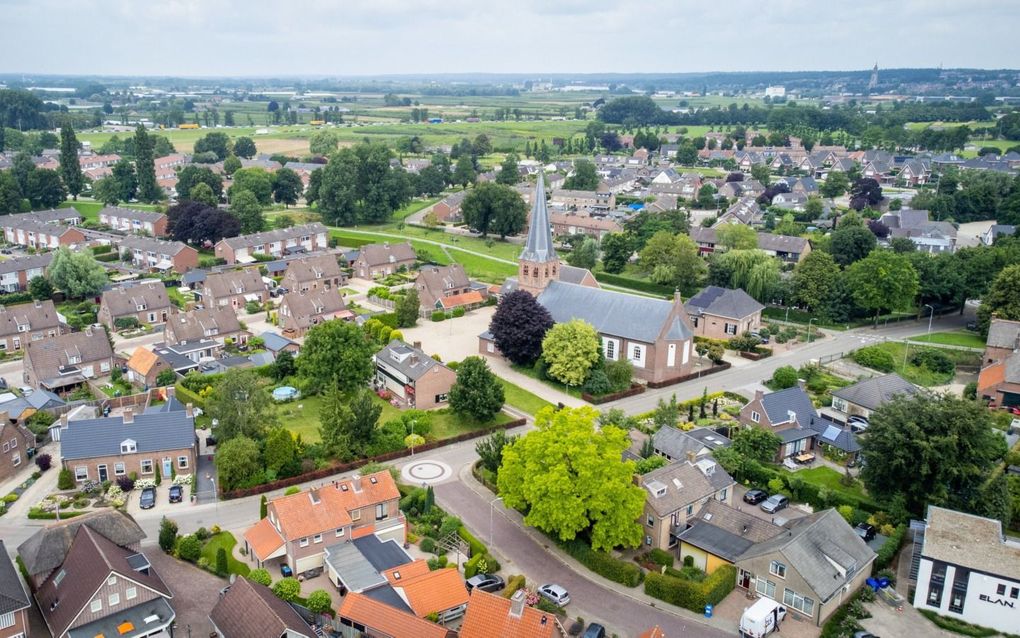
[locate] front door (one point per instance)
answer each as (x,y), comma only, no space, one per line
(745,579)
(167,467)
(102,473)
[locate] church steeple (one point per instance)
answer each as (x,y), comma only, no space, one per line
(538,264)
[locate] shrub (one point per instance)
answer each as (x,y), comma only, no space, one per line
(222,566)
(471,566)
(43,462)
(662,557)
(428,545)
(260,576)
(875,357)
(692,595)
(167,535)
(125,483)
(438,315)
(294,489)
(784,377)
(124,323)
(66,480)
(744,343)
(934,360)
(620,373)
(458,311)
(319,602)
(514,583)
(597,383)
(890,547)
(603,563)
(202,534)
(477,546)
(288,589)
(189,548)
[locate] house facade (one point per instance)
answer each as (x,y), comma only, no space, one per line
(14,601)
(718,534)
(67,360)
(864,397)
(275,243)
(299,312)
(723,313)
(447,287)
(131,220)
(312,273)
(233,289)
(15,442)
(414,379)
(148,304)
(566,224)
(26,323)
(158,254)
(26,230)
(788,414)
(999,380)
(218,324)
(379,260)
(675,493)
(16,273)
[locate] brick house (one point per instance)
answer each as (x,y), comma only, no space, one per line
(723,313)
(573,224)
(275,243)
(812,568)
(103,589)
(379,260)
(15,441)
(719,534)
(14,601)
(310,273)
(131,220)
(583,200)
(360,615)
(219,324)
(675,493)
(448,209)
(103,449)
(68,360)
(493,615)
(16,273)
(864,397)
(447,287)
(787,413)
(999,381)
(27,230)
(233,289)
(147,303)
(301,311)
(144,366)
(25,323)
(298,527)
(158,254)
(415,379)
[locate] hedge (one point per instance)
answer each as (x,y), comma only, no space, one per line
(890,547)
(108,257)
(12,298)
(635,284)
(388,319)
(471,566)
(689,594)
(661,557)
(513,584)
(185,395)
(37,514)
(603,563)
(477,547)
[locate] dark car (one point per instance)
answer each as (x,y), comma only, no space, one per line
(176,493)
(865,531)
(147,500)
(755,496)
(485,582)
(286,570)
(760,337)
(594,630)
(972,326)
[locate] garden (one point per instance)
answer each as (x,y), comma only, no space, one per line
(74,499)
(921,365)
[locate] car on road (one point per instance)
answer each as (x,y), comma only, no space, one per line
(972,326)
(485,582)
(774,503)
(594,630)
(865,531)
(858,423)
(753,497)
(554,594)
(286,570)
(176,493)
(147,500)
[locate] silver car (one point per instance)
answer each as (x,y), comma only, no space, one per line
(554,594)
(775,503)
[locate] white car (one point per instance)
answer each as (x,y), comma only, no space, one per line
(554,594)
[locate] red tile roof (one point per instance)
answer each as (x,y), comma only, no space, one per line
(263,539)
(387,620)
(321,509)
(428,591)
(488,615)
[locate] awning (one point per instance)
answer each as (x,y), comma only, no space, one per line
(164,264)
(251,297)
(245,259)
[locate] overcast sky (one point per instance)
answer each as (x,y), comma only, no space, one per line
(370,37)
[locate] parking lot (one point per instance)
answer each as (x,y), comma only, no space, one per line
(790,513)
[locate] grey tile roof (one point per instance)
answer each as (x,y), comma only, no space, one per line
(12,592)
(778,406)
(539,247)
(573,274)
(684,483)
(782,243)
(723,302)
(38,315)
(410,361)
(46,549)
(379,254)
(312,268)
(1003,334)
(131,213)
(275,342)
(790,435)
(676,443)
(310,308)
(271,236)
(838,436)
(811,547)
(30,262)
(151,244)
(192,325)
(225,284)
(49,355)
(195,276)
(873,393)
(151,432)
(357,571)
(727,532)
(614,313)
(124,302)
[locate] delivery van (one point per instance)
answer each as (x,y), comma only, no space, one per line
(761,618)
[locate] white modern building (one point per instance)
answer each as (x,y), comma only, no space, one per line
(969,570)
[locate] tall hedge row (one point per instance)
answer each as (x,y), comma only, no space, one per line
(690,594)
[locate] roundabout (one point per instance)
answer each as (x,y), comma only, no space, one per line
(425,471)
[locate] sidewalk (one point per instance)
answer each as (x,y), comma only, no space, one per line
(46,484)
(503,369)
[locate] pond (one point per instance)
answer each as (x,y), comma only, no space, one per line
(285,393)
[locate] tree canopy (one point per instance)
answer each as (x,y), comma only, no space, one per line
(240,406)
(77,273)
(673,260)
(336,352)
(518,327)
(358,185)
(195,222)
(477,393)
(883,280)
(570,351)
(1002,298)
(496,208)
(584,177)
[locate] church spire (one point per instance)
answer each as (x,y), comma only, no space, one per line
(539,248)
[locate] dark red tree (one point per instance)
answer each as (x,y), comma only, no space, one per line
(518,327)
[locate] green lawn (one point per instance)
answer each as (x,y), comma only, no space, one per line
(525,401)
(556,385)
(89,210)
(801,316)
(829,478)
(924,376)
(413,208)
(963,338)
(227,541)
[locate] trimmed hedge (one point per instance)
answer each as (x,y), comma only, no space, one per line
(185,395)
(890,547)
(603,563)
(513,584)
(661,557)
(11,298)
(471,566)
(478,548)
(689,594)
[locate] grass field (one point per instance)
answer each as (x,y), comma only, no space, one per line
(227,541)
(963,338)
(921,375)
(556,385)
(517,397)
(832,480)
(89,210)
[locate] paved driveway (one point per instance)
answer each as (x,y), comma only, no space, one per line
(195,591)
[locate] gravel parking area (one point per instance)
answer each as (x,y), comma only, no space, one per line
(195,592)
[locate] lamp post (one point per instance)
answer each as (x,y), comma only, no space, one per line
(787,320)
(931,315)
(809,329)
(492,503)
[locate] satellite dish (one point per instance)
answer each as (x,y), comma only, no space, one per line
(233,577)
(215,422)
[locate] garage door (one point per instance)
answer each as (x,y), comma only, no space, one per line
(308,562)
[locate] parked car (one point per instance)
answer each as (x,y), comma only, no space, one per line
(754,497)
(594,630)
(485,582)
(554,594)
(176,493)
(864,634)
(972,326)
(858,423)
(3,383)
(147,500)
(286,570)
(865,531)
(775,503)
(759,337)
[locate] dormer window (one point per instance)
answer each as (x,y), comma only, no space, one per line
(128,446)
(140,307)
(23,327)
(72,359)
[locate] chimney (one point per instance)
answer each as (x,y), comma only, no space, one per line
(189,410)
(414,358)
(128,416)
(88,331)
(692,456)
(759,395)
(170,392)
(417,345)
(63,421)
(801,384)
(676,296)
(517,604)
(356,483)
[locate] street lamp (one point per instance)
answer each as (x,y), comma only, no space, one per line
(809,329)
(931,315)
(492,503)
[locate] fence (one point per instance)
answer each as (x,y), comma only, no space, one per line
(725,365)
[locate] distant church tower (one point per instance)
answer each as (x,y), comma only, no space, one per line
(873,83)
(538,263)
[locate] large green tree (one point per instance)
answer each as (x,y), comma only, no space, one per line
(737,236)
(478,393)
(407,307)
(216,143)
(281,453)
(78,274)
(106,190)
(883,280)
(336,352)
(585,255)
(814,279)
(570,351)
(287,187)
(673,260)
(70,167)
(518,327)
(1002,298)
(244,147)
(45,188)
(757,444)
(145,167)
(509,173)
(238,463)
(240,406)
(335,420)
(571,479)
(464,171)
(937,450)
(616,251)
(192,175)
(10,193)
(256,180)
(851,243)
(127,181)
(245,206)
(323,142)
(755,271)
(495,208)
(584,177)
(359,185)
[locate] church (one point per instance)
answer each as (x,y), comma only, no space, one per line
(655,335)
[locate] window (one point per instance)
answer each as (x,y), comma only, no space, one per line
(380,511)
(650,521)
(441,398)
(111,581)
(1014,592)
(936,584)
(14,443)
(16,460)
(730,328)
(7,447)
(303,542)
(81,473)
(146,466)
(131,593)
(694,320)
(777,569)
(317,538)
(1000,590)
(766,588)
(637,355)
(690,510)
(802,604)
(7,620)
(182,462)
(128,447)
(96,606)
(755,417)
(114,599)
(119,469)
(339,532)
(104,366)
(356,515)
(723,493)
(610,349)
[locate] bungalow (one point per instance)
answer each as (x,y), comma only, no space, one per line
(158,254)
(310,273)
(146,304)
(812,568)
(988,238)
(426,592)
(677,445)
(142,444)
(233,289)
(251,609)
(277,344)
(379,260)
(786,248)
(14,601)
(675,493)
(67,360)
(719,534)
(790,201)
(746,211)
(415,379)
(218,324)
(864,397)
(447,287)
(28,322)
(928,236)
(16,273)
(301,311)
(723,313)
(131,220)
(274,243)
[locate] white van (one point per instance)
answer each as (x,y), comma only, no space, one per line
(761,618)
